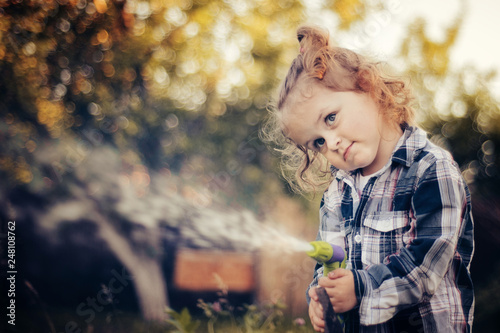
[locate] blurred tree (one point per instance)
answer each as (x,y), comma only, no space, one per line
(456,106)
(160,80)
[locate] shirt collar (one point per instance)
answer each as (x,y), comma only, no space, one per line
(409,145)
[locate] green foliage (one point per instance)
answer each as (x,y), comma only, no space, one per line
(182,321)
(171,85)
(223,317)
(184,84)
(456,107)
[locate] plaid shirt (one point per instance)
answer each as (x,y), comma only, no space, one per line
(409,238)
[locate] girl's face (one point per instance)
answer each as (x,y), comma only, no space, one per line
(346,127)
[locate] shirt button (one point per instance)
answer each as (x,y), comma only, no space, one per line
(357,238)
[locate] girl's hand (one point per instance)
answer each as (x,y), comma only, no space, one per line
(316,312)
(339,286)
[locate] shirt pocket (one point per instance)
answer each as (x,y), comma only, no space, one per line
(383,234)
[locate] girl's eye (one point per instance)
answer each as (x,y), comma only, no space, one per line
(330,118)
(318,143)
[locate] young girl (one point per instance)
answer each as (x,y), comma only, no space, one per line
(396,202)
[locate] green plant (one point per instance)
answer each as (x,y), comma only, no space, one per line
(222,316)
(182,321)
(254,318)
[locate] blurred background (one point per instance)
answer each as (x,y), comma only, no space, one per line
(131,164)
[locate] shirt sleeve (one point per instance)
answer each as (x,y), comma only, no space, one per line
(413,274)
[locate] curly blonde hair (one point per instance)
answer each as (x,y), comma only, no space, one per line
(338,69)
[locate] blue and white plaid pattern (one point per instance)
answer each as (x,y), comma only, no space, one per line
(409,238)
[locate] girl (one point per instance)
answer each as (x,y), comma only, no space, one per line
(396,202)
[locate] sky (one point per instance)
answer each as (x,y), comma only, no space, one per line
(477,43)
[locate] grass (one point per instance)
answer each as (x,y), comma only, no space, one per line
(212,317)
(222,316)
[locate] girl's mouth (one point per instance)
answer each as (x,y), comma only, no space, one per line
(346,152)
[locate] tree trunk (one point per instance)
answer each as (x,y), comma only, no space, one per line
(147,275)
(151,289)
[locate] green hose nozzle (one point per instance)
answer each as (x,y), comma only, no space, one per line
(330,255)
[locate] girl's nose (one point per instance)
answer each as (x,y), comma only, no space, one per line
(333,141)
